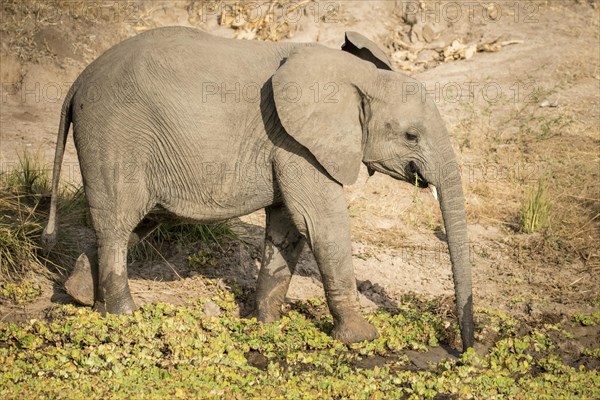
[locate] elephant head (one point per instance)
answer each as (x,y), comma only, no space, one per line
(346,111)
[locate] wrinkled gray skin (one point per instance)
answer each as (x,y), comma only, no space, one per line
(180,122)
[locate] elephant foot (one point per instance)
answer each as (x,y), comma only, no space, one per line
(124,305)
(266,314)
(80,285)
(353,328)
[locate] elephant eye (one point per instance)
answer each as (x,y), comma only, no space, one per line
(411,137)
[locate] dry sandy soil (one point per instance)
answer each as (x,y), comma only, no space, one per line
(510,59)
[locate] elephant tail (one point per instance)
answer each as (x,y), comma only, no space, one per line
(50,233)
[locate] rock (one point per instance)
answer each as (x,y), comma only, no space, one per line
(376,298)
(470,51)
(366,305)
(211,309)
(257,360)
(457,51)
(473,200)
(80,284)
(428,55)
(406,66)
(548,103)
(416,34)
(437,45)
(403,55)
(399,56)
(428,34)
(238,22)
(364,286)
(533,309)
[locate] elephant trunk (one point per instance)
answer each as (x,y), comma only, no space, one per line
(451,198)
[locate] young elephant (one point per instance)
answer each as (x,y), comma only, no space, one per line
(206,128)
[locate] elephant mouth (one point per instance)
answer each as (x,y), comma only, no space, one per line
(414,176)
(410,173)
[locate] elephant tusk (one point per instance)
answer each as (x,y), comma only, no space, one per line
(434,192)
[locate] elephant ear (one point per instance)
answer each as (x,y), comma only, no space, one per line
(319,104)
(364,48)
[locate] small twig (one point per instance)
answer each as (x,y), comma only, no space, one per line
(575,281)
(298,5)
(6,316)
(264,19)
(580,198)
(584,225)
(165,260)
(152,291)
(498,221)
(215,239)
(509,42)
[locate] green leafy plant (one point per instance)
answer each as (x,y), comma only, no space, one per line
(587,319)
(18,293)
(202,258)
(164,351)
(594,353)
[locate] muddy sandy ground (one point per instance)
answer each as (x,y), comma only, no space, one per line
(508,60)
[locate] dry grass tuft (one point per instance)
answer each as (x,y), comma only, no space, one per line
(24,199)
(535,214)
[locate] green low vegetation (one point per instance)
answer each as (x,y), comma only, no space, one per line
(21,292)
(162,351)
(588,319)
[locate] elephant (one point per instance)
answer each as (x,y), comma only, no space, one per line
(178,122)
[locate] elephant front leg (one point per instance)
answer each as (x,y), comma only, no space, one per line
(283,244)
(317,206)
(330,242)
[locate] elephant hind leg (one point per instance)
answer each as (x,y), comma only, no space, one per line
(114,221)
(80,284)
(282,247)
(112,293)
